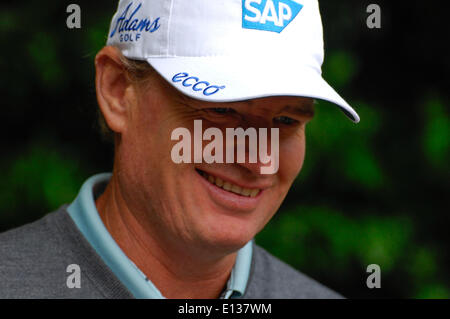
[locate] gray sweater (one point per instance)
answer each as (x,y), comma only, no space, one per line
(34,260)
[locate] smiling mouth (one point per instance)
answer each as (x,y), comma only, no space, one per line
(229,187)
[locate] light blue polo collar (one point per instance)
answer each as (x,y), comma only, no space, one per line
(85,215)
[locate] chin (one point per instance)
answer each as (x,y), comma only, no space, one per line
(227,234)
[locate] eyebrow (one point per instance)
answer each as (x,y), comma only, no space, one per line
(302,109)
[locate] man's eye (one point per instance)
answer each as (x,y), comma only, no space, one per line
(222,110)
(285,120)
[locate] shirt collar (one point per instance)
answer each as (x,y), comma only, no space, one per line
(84,213)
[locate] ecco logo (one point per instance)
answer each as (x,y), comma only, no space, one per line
(269,15)
(198,86)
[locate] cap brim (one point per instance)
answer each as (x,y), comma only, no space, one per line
(243,79)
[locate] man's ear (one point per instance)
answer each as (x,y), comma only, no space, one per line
(111,85)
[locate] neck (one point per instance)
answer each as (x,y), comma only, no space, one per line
(178,270)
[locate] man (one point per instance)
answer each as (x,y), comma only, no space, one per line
(174,220)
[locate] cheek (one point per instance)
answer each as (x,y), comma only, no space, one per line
(292,155)
(149,144)
(150,131)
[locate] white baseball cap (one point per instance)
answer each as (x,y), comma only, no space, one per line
(229,50)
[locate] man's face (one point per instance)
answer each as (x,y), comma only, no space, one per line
(184,202)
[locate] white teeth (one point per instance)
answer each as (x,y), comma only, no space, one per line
(254,193)
(236,189)
(246,192)
(219,182)
(230,187)
(227,186)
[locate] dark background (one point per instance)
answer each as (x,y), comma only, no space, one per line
(372,193)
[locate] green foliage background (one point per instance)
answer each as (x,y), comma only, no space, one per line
(372,193)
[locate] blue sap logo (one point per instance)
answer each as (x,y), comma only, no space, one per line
(269,15)
(130,25)
(198,86)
